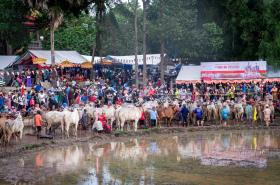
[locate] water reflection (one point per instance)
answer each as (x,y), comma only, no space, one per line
(140,160)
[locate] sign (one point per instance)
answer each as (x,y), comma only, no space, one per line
(233,70)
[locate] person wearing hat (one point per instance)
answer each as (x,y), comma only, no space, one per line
(267,114)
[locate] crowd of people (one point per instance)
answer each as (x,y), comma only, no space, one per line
(115,87)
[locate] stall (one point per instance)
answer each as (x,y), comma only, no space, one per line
(37,59)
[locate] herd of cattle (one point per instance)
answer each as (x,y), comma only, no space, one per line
(117,116)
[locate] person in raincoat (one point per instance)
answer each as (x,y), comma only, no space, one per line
(105,125)
(267,114)
(249,112)
(255,114)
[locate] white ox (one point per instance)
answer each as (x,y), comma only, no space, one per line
(128,113)
(239,111)
(14,127)
(53,118)
(69,119)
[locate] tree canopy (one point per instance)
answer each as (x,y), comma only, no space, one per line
(204,30)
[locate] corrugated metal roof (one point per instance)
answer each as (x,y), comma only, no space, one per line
(5,61)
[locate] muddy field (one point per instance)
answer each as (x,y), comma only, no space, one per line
(209,155)
(31,143)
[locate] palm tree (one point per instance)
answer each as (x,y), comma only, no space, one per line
(55,11)
(56,16)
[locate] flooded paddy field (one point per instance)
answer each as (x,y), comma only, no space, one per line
(204,158)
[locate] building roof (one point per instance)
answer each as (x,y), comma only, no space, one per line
(189,74)
(5,61)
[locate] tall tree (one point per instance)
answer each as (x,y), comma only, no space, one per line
(56,10)
(76,33)
(136,43)
(145,4)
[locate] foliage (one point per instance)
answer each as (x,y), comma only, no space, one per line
(196,30)
(77,33)
(12,30)
(269,47)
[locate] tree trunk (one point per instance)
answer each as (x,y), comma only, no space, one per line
(52,46)
(136,45)
(92,75)
(162,47)
(162,59)
(144,43)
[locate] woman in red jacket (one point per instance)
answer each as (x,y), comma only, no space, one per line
(105,125)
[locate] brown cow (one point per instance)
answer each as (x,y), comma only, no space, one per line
(167,114)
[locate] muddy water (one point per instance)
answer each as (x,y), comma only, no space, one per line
(227,158)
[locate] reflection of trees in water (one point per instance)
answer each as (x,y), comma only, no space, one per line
(243,145)
(62,160)
(134,161)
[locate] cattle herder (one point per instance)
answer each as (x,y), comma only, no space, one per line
(38,123)
(84,119)
(267,114)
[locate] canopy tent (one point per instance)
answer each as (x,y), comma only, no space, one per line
(189,74)
(5,61)
(39,57)
(66,63)
(151,59)
(89,58)
(86,65)
(273,72)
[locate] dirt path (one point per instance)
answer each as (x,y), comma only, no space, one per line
(32,144)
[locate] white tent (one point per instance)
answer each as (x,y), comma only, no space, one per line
(96,58)
(151,59)
(60,56)
(5,61)
(189,74)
